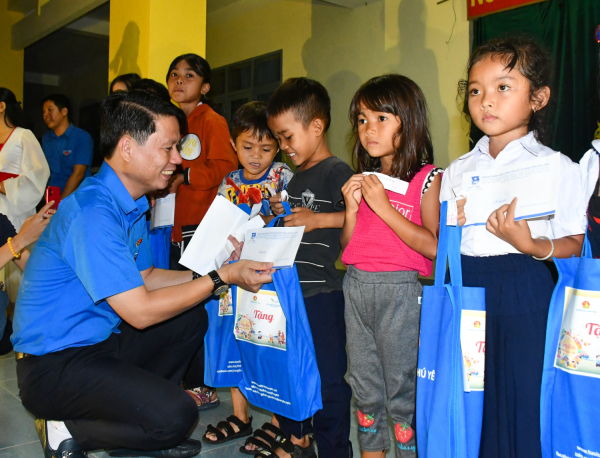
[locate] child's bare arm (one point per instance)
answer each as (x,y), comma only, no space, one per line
(302,216)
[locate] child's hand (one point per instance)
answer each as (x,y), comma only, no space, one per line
(460,208)
(375,195)
(505,227)
(276,205)
(301,216)
(352,193)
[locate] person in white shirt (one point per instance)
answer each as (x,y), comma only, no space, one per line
(507,91)
(24,171)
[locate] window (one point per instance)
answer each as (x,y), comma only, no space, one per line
(236,84)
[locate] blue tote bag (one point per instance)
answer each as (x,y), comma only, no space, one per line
(571,378)
(222,361)
(451,358)
(279,365)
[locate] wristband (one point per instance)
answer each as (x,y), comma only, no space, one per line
(551,251)
(15,255)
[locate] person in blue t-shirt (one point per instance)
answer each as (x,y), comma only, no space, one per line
(101,337)
(69,150)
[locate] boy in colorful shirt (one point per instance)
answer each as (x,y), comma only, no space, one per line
(258,180)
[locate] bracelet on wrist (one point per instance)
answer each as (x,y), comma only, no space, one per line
(551,251)
(15,254)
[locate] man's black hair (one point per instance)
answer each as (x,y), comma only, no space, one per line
(149,85)
(251,117)
(61,101)
(306,98)
(134,114)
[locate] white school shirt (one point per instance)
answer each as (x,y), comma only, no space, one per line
(590,166)
(22,155)
(569,219)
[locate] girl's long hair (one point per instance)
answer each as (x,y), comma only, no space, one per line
(399,96)
(196,63)
(13,115)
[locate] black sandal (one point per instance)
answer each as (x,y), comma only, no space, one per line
(295,451)
(245,429)
(268,442)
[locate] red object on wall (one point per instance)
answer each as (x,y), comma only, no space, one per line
(478,8)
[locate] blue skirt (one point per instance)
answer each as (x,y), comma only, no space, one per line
(518,290)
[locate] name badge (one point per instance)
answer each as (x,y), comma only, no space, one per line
(190,147)
(67,152)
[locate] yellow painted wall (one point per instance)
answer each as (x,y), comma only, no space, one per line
(244,29)
(11,67)
(146,35)
(424,42)
(342,48)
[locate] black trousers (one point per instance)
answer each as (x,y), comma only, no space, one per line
(330,425)
(194,376)
(123,392)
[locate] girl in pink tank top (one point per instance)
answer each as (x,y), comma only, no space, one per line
(389,237)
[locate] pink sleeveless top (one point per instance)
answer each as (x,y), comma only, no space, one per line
(375,247)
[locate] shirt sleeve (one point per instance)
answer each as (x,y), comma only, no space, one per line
(96,249)
(220,157)
(84,149)
(223,187)
(446,187)
(570,217)
(24,192)
(339,175)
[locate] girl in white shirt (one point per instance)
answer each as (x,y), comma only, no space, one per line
(506,97)
(21,157)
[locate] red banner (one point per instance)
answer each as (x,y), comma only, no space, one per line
(478,8)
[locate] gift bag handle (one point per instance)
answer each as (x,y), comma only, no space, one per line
(287,211)
(448,251)
(586,249)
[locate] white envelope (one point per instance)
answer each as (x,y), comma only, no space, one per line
(391,184)
(534,183)
(278,245)
(163,212)
(221,220)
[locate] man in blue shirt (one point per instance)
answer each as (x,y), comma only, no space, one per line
(102,338)
(69,150)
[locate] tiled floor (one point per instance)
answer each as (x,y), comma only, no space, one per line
(18,438)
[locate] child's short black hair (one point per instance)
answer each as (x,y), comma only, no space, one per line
(251,117)
(307,98)
(531,60)
(61,101)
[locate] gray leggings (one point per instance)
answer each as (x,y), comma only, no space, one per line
(382,328)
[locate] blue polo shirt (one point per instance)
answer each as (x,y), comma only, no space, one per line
(95,246)
(74,146)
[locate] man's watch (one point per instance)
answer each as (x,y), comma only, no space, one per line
(220,286)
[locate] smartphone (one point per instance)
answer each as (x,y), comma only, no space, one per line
(53,193)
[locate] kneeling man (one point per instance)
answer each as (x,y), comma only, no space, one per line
(103,338)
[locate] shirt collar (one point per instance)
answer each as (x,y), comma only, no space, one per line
(528,142)
(66,133)
(116,187)
(596,146)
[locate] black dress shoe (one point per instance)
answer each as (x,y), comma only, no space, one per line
(67,448)
(188,447)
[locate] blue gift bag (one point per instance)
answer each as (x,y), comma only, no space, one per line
(279,365)
(222,361)
(571,378)
(160,245)
(448,415)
